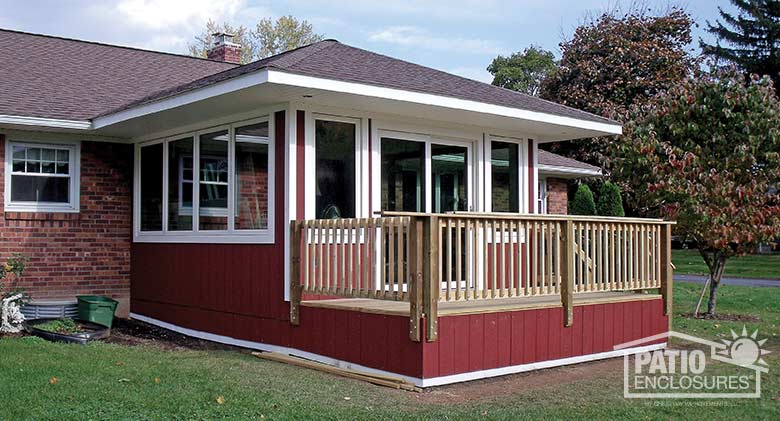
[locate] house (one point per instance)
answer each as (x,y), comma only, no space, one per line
(327,202)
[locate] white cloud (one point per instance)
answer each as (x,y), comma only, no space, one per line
(411,36)
(165,14)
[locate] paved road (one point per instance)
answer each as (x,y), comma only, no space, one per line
(700,279)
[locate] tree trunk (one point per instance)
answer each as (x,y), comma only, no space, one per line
(716,265)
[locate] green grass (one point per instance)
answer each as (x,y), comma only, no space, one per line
(689,262)
(107,381)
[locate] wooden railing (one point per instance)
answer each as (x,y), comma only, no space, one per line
(428,258)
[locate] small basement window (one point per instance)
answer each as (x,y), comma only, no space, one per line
(41,177)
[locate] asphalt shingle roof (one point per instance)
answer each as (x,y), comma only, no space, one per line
(333,60)
(555,160)
(51,77)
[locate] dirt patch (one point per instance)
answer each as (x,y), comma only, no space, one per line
(533,380)
(748,318)
(134,332)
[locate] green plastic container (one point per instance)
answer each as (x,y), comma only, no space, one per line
(97,309)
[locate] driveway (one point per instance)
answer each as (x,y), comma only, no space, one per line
(749,282)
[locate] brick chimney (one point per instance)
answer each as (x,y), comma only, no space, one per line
(225,49)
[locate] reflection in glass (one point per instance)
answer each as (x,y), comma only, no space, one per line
(151,187)
(448,175)
(251,190)
(505,175)
(403,175)
(334,169)
(213,171)
(180,182)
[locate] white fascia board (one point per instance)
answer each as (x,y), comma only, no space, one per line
(220,88)
(45,122)
(291,79)
(570,171)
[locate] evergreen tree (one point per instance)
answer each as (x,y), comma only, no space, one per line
(610,202)
(752,36)
(583,203)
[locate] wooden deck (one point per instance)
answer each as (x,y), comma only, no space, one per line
(451,308)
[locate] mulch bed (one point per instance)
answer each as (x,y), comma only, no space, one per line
(724,317)
(134,332)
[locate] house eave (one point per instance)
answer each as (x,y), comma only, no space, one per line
(568,172)
(55,123)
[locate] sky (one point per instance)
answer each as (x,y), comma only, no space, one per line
(458,36)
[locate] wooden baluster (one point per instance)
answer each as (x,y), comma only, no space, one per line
(550,232)
(567,283)
(527,258)
(512,285)
(458,258)
(470,258)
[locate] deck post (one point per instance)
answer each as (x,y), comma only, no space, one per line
(431,284)
(666,269)
(567,273)
(295,272)
(415,272)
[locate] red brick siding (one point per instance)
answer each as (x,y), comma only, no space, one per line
(83,253)
(557,196)
(226,53)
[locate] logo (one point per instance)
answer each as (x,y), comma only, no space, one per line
(695,369)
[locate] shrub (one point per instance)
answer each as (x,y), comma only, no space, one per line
(610,202)
(583,203)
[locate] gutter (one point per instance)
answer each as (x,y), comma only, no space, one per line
(45,122)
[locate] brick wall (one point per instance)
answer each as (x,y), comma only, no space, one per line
(79,253)
(557,196)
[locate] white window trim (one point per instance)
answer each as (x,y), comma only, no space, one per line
(541,200)
(310,187)
(74,163)
(195,235)
(522,152)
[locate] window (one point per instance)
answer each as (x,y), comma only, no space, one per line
(505,177)
(542,199)
(41,177)
(216,186)
(403,175)
(449,165)
(335,169)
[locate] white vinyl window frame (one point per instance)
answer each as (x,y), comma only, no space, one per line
(541,200)
(310,187)
(429,189)
(231,235)
(74,174)
(522,151)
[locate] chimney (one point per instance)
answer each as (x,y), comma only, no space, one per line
(225,49)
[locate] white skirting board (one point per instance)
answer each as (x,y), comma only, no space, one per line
(428,382)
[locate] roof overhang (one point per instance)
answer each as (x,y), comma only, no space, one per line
(567,172)
(52,123)
(268,86)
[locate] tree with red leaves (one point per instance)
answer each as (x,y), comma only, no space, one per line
(706,153)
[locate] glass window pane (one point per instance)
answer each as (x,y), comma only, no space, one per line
(335,169)
(180,185)
(25,188)
(47,167)
(505,177)
(18,166)
(151,187)
(448,175)
(213,181)
(48,154)
(62,168)
(33,166)
(19,152)
(62,155)
(33,153)
(251,190)
(403,175)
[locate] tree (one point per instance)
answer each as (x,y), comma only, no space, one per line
(205,40)
(267,39)
(753,35)
(583,203)
(706,153)
(610,202)
(616,61)
(523,72)
(286,34)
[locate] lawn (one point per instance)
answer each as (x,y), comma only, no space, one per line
(689,262)
(41,380)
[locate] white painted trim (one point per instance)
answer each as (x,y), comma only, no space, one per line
(570,171)
(284,78)
(290,188)
(430,382)
(21,120)
(188,97)
(74,162)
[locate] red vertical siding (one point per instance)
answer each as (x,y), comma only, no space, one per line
(495,340)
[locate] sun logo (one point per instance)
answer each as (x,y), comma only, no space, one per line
(745,350)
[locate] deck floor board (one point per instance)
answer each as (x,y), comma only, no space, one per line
(451,308)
